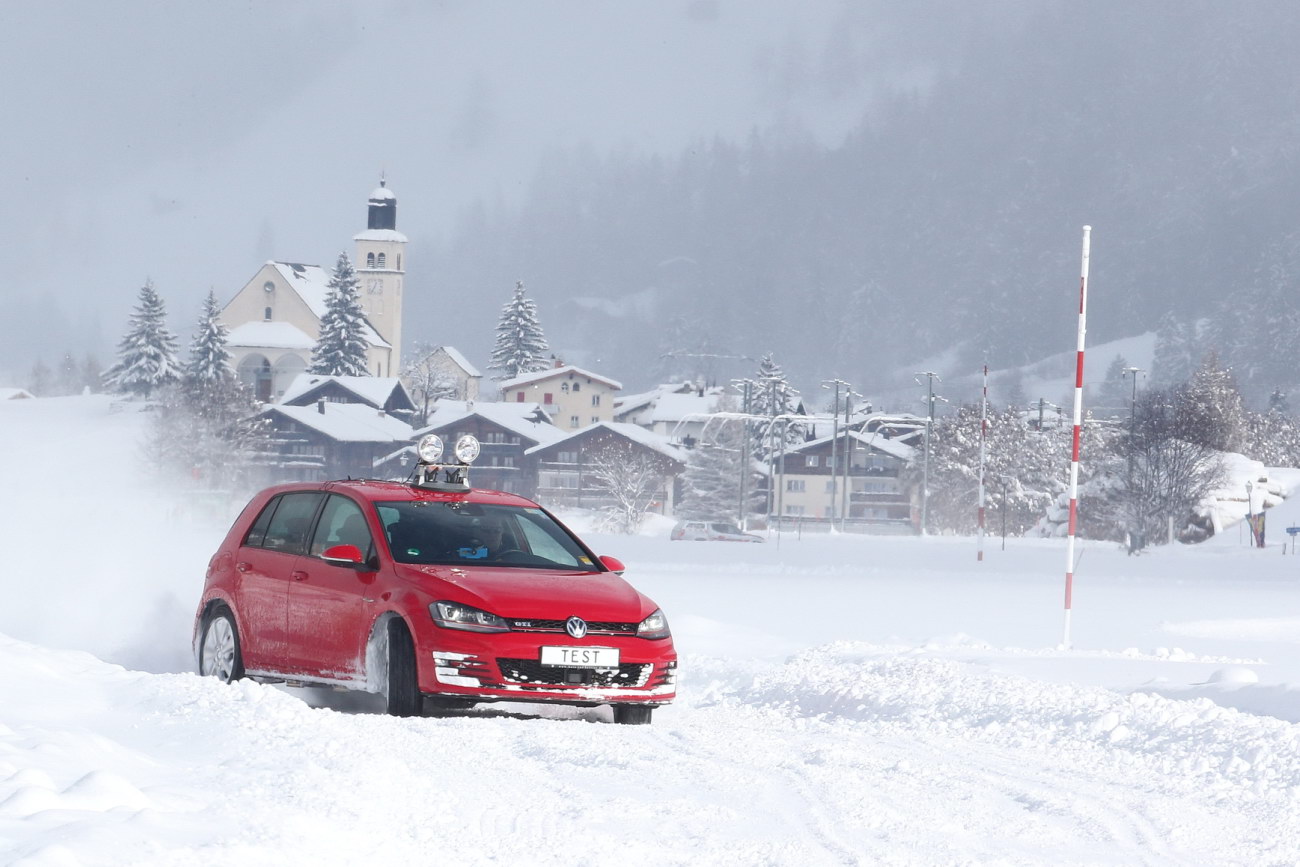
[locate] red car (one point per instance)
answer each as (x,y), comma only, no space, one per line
(432,591)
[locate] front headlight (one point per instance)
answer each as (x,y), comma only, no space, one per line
(654,626)
(453,615)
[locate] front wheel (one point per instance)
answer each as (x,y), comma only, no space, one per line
(401,685)
(632,714)
(219,654)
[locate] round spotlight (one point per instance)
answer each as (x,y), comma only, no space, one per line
(429,448)
(467,449)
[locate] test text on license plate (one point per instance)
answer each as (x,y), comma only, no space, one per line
(581,657)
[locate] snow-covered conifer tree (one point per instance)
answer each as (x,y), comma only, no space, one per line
(341,349)
(1210,408)
(773,396)
(1175,351)
(146,355)
(521,346)
(209,362)
(712,479)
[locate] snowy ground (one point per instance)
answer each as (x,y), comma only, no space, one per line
(843,700)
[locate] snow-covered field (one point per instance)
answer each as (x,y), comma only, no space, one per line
(844,700)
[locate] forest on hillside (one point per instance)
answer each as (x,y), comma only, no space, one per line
(945,228)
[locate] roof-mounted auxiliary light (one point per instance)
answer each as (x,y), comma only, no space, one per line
(436,476)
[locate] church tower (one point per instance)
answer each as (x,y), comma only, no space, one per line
(381,268)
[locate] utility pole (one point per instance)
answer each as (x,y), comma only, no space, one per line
(1135,540)
(746,387)
(850,446)
(835,436)
(930,376)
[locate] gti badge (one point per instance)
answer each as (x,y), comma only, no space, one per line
(576,626)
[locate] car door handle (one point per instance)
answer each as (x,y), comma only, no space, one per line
(243,567)
(298,575)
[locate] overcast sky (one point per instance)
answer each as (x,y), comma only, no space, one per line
(189,142)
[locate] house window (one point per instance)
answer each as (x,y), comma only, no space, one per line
(399,261)
(564,388)
(595,400)
(595,419)
(794,510)
(507,461)
(795,486)
(381,260)
(567,457)
(830,486)
(573,421)
(547,399)
(266,314)
(813,460)
(370,260)
(519,397)
(576,388)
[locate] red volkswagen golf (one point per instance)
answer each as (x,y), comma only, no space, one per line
(432,591)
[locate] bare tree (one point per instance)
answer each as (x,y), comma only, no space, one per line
(629,480)
(429,380)
(1168,471)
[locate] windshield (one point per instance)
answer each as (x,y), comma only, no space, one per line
(479,534)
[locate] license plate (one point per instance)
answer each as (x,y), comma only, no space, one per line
(581,657)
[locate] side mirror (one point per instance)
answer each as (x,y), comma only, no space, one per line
(344,555)
(613,564)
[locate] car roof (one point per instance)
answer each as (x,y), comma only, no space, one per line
(377,490)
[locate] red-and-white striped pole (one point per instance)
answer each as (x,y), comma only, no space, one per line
(1078,424)
(984,429)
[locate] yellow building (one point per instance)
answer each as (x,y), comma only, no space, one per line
(274,320)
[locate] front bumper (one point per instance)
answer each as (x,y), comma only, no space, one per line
(506,666)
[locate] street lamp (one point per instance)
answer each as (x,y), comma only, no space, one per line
(1250,513)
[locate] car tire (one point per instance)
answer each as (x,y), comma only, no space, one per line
(401,685)
(220,655)
(632,714)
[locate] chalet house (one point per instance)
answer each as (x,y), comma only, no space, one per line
(14,394)
(573,398)
(505,432)
(380,392)
(877,502)
(327,440)
(564,467)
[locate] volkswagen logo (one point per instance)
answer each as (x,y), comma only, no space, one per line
(576,626)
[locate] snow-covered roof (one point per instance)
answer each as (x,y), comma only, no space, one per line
(461,361)
(348,422)
(893,447)
(374,390)
(380,235)
(528,420)
(675,407)
(552,372)
(380,193)
(311,282)
(635,433)
(270,335)
(14,393)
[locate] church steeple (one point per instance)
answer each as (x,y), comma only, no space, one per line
(383,207)
(380,250)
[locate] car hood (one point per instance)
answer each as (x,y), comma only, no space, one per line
(532,593)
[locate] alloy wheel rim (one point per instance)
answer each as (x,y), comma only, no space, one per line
(219,649)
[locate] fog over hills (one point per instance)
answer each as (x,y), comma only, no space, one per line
(859,188)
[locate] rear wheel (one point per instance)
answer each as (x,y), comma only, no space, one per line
(219,654)
(632,714)
(401,686)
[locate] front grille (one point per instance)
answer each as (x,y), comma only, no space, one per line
(530,671)
(597,627)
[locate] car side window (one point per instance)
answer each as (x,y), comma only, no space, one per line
(257,533)
(287,529)
(341,523)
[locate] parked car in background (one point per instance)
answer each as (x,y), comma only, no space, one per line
(711,531)
(429,592)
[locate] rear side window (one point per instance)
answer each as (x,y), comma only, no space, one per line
(290,517)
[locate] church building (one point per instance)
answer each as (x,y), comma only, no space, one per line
(274,320)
